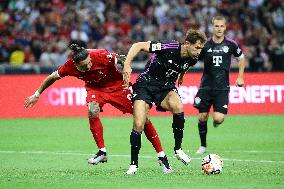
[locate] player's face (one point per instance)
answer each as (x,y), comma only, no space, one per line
(84,65)
(194,49)
(219,27)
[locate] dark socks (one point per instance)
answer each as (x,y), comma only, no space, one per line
(202,126)
(135,142)
(178,126)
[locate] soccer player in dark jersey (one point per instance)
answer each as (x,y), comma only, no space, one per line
(157,85)
(103,82)
(214,87)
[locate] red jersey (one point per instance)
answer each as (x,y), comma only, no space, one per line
(103,73)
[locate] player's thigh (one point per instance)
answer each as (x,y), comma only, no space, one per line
(140,112)
(142,93)
(221,100)
(203,101)
(121,100)
(172,102)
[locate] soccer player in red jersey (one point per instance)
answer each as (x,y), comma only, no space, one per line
(103,82)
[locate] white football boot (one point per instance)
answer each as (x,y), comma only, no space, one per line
(132,170)
(185,159)
(164,163)
(201,150)
(100,157)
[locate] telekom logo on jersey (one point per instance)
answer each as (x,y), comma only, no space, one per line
(76,96)
(217,60)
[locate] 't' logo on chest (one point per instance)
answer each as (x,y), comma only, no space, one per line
(217,60)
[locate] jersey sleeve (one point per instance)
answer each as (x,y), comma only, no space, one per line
(64,69)
(237,52)
(164,46)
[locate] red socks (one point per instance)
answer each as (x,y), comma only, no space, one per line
(152,136)
(97,130)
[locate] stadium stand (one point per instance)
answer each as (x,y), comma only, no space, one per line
(37,33)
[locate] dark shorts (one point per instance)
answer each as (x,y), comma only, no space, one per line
(204,99)
(152,93)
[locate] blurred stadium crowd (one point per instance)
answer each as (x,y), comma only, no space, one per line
(39,31)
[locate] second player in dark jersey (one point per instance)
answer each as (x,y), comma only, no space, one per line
(215,86)
(217,63)
(165,64)
(157,85)
(161,72)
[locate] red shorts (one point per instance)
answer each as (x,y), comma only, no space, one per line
(120,99)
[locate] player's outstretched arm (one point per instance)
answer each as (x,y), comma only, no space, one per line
(133,51)
(49,80)
(240,79)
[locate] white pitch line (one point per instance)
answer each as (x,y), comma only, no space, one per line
(252,151)
(122,155)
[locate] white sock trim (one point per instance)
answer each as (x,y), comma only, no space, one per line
(161,154)
(103,149)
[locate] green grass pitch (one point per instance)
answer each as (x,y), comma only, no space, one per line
(52,153)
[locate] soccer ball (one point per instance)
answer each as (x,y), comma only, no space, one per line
(212,164)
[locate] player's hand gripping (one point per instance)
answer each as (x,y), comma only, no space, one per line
(126,76)
(31,101)
(240,82)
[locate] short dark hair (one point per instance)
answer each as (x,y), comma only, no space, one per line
(193,36)
(78,53)
(218,17)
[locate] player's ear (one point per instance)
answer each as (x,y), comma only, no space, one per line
(187,43)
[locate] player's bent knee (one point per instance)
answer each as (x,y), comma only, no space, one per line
(175,106)
(93,109)
(203,116)
(178,108)
(138,125)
